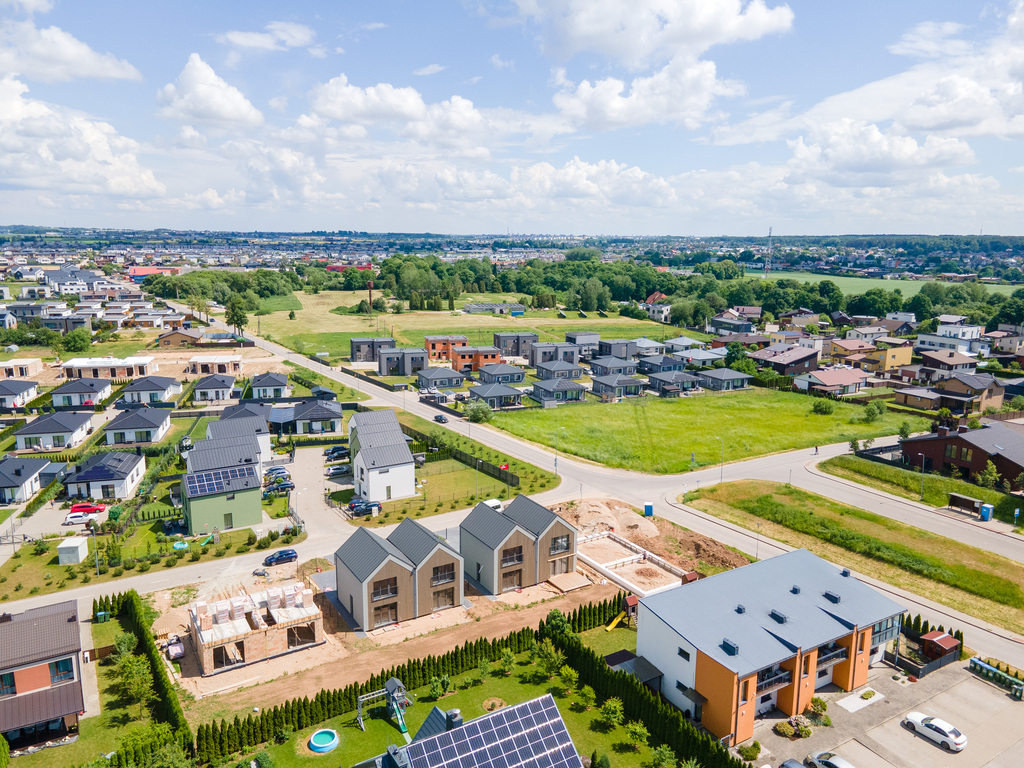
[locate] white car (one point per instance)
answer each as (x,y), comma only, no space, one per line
(939,731)
(826,760)
(78,518)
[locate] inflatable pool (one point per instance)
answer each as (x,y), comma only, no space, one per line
(180,545)
(323,740)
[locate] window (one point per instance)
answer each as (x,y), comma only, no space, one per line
(966,454)
(745,692)
(863,642)
(559,544)
(58,441)
(443,574)
(385,588)
(7,684)
(385,614)
(681,687)
(950,449)
(807,666)
(766,698)
(684,654)
(511,556)
(62,670)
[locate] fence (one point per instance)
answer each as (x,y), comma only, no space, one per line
(504,475)
(427,400)
(376,382)
(919,670)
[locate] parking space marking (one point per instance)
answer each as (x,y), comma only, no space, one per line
(861,756)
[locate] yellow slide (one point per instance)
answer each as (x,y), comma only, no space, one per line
(615,621)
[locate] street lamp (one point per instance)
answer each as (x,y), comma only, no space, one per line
(95,549)
(922,475)
(721,475)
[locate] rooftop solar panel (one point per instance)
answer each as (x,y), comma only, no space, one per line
(208,483)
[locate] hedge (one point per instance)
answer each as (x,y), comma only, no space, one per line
(7,432)
(50,491)
(5,752)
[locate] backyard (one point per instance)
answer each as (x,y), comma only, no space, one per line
(968,579)
(656,435)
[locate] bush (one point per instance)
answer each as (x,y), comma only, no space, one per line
(750,752)
(784,729)
(129,563)
(263,543)
(41,547)
(144,565)
(251,538)
(803,731)
(118,572)
(194,557)
(823,407)
(220,552)
(263,759)
(819,705)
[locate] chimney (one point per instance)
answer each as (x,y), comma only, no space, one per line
(17,472)
(453,719)
(962,428)
(943,431)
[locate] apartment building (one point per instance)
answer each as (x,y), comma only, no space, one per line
(440,347)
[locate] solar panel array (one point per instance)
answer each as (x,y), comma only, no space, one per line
(529,735)
(207,483)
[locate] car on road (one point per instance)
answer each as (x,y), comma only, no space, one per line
(78,518)
(441,418)
(282,556)
(939,731)
(826,760)
(88,507)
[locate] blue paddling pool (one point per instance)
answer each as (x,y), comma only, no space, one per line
(323,740)
(179,545)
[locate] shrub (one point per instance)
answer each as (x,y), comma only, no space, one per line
(129,563)
(750,752)
(144,565)
(867,694)
(220,552)
(118,572)
(803,731)
(194,557)
(104,570)
(822,407)
(784,729)
(85,579)
(242,549)
(251,538)
(819,705)
(41,547)
(263,543)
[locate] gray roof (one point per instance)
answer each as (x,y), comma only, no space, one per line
(558,365)
(611,362)
(368,418)
(994,438)
(618,380)
(240,426)
(494,390)
(723,374)
(138,418)
(660,360)
(439,373)
(116,465)
(216,381)
(82,387)
(436,722)
(530,515)
(270,380)
(977,380)
(364,552)
(225,452)
(29,468)
(488,525)
(246,411)
(42,705)
(39,634)
(15,386)
(56,423)
(381,456)
(151,384)
(813,604)
(672,377)
(416,541)
(317,410)
(557,385)
(645,343)
(499,368)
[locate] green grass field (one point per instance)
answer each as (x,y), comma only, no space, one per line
(854,285)
(658,435)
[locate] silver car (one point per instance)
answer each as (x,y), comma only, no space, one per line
(827,760)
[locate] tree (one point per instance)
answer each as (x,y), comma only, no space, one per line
(479,412)
(734,352)
(291,315)
(637,734)
(904,430)
(135,679)
(745,365)
(508,662)
(235,314)
(550,658)
(587,697)
(436,689)
(77,341)
(558,623)
(168,756)
(988,477)
(823,407)
(124,646)
(570,678)
(611,712)
(1017,404)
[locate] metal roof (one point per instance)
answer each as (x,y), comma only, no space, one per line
(15,386)
(494,390)
(416,541)
(672,377)
(41,706)
(82,387)
(723,374)
(139,418)
(382,456)
(29,468)
(611,362)
(436,722)
(39,634)
(116,465)
(240,426)
(224,452)
(216,381)
(364,552)
(994,438)
(247,410)
(270,380)
(790,601)
(439,373)
(488,525)
(151,384)
(57,423)
(528,514)
(558,385)
(317,410)
(617,380)
(558,365)
(499,368)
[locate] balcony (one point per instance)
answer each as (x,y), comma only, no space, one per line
(510,561)
(774,680)
(384,594)
(558,550)
(445,578)
(829,656)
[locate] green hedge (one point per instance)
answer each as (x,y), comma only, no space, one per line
(5,752)
(8,431)
(50,491)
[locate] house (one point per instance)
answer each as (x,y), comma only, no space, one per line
(939,365)
(748,313)
(151,389)
(501,373)
(221,499)
(723,326)
(840,319)
(647,347)
(513,309)
(63,429)
(382,464)
(868,333)
(622,349)
(659,313)
(440,347)
(523,545)
(515,344)
(112,367)
(723,379)
(7,320)
(20,478)
(401,362)
(702,358)
(786,337)
(672,383)
(33,292)
(757,340)
(839,349)
(270,386)
(15,393)
(558,369)
(365,349)
(608,366)
(411,573)
(897,326)
(439,378)
(181,337)
(21,367)
(40,674)
(965,339)
(113,475)
(682,344)
(902,317)
(884,358)
(831,381)
(616,385)
(655,298)
(546,351)
(497,395)
(984,389)
(242,427)
(765,636)
(81,392)
(223,453)
(212,364)
(138,425)
(557,390)
(214,388)
(586,341)
(314,417)
(786,359)
(469,359)
(660,364)
(951,319)
(26,273)
(968,451)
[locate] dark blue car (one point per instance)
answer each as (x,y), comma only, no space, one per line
(281,556)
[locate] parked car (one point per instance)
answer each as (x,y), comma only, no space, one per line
(441,418)
(367,508)
(275,471)
(791,763)
(339,470)
(495,504)
(336,449)
(273,490)
(939,731)
(175,648)
(281,556)
(88,507)
(338,452)
(827,760)
(88,402)
(279,477)
(78,518)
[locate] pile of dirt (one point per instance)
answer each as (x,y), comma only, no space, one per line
(688,549)
(598,515)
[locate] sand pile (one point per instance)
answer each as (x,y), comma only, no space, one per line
(597,515)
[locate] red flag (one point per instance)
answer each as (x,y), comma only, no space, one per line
(504,466)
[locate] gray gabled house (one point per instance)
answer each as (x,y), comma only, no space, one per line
(558,390)
(439,377)
(660,364)
(523,545)
(608,366)
(558,369)
(501,373)
(617,385)
(672,383)
(497,395)
(723,379)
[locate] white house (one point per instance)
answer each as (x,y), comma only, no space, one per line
(270,386)
(152,389)
(139,425)
(113,475)
(63,429)
(312,417)
(382,464)
(19,478)
(81,392)
(214,387)
(14,393)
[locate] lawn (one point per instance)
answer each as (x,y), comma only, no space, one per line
(656,435)
(179,428)
(854,285)
(276,507)
(344,393)
(279,304)
(29,351)
(125,347)
(104,634)
(966,578)
(198,432)
(603,642)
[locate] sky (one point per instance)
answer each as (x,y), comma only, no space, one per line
(596,117)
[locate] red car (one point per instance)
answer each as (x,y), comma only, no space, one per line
(88,508)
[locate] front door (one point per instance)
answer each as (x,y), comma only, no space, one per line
(560,566)
(229,520)
(387,492)
(512,580)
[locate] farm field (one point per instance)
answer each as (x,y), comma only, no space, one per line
(656,435)
(853,285)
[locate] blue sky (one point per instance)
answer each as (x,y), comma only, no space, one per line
(532,116)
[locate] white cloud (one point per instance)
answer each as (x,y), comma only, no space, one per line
(372,26)
(279,36)
(278,103)
(430,69)
(499,63)
(338,99)
(603,182)
(930,40)
(28,6)
(199,94)
(52,55)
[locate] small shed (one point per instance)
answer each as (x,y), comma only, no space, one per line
(937,644)
(73,550)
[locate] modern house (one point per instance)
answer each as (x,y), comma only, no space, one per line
(514,344)
(81,392)
(558,369)
(616,385)
(757,340)
(14,393)
(364,349)
(939,365)
(523,545)
(786,359)
(401,362)
(984,389)
(701,358)
(113,475)
(21,367)
(109,367)
(723,379)
(660,364)
(270,386)
(501,373)
(220,499)
(868,333)
(722,326)
(586,341)
(214,388)
(884,358)
(224,453)
(314,417)
(383,467)
(840,349)
(514,309)
(672,383)
(681,344)
(497,395)
(138,425)
(470,359)
(244,428)
(440,347)
(546,351)
(767,635)
(215,364)
(20,478)
(411,573)
(439,378)
(181,337)
(151,389)
(63,429)
(563,390)
(40,674)
(610,366)
(622,349)
(968,450)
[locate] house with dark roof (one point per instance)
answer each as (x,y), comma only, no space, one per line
(315,417)
(546,351)
(78,392)
(616,385)
(151,389)
(681,344)
(215,388)
(523,545)
(660,364)
(558,390)
(401,362)
(623,349)
(501,373)
(968,451)
(411,573)
(558,369)
(14,393)
(942,364)
(383,467)
(497,395)
(609,366)
(672,383)
(113,475)
(20,478)
(984,389)
(767,635)
(138,425)
(441,378)
(40,674)
(365,349)
(514,343)
(62,429)
(243,427)
(786,359)
(723,379)
(270,386)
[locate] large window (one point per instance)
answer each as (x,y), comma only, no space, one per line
(385,614)
(385,588)
(443,574)
(7,684)
(511,556)
(950,449)
(966,454)
(559,544)
(62,670)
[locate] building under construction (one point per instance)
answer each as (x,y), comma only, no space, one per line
(254,627)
